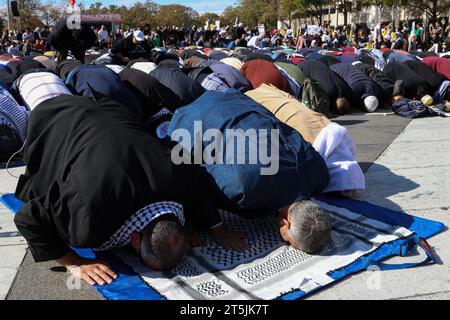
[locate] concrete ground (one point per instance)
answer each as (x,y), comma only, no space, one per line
(410,175)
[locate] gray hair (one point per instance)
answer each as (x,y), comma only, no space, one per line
(310,226)
(157,242)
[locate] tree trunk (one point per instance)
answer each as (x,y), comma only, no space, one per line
(320,15)
(434,10)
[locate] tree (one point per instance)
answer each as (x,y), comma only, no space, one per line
(176,15)
(289,10)
(253,12)
(29,14)
(345,6)
(313,8)
(432,8)
(50,13)
(229,16)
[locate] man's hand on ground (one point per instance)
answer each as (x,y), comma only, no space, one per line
(89,270)
(228,238)
(93,272)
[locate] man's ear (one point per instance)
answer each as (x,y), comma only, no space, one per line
(136,239)
(285,225)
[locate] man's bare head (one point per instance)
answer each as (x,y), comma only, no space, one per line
(342,105)
(161,245)
(306,226)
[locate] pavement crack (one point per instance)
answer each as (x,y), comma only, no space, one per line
(420,295)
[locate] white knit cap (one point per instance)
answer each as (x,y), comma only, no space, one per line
(371,103)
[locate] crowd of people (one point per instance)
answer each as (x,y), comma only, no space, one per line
(95,120)
(405,37)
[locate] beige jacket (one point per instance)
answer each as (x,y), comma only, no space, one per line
(290,111)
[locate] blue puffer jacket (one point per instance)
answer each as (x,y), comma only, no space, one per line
(302,172)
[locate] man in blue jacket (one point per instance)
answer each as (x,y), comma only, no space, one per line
(229,135)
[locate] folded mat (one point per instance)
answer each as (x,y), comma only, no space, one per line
(363,235)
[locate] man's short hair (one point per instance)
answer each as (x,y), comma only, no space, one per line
(342,105)
(310,226)
(158,241)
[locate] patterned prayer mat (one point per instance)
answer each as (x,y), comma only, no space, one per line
(269,268)
(363,235)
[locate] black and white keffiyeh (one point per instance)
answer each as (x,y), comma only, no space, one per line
(138,221)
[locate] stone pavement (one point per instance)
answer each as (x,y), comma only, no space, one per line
(411,175)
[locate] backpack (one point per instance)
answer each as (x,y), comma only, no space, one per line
(410,109)
(315,98)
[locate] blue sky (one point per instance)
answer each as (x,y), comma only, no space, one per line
(200,6)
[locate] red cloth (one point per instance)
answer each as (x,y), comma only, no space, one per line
(441,65)
(261,71)
(348,54)
(296,60)
(333,53)
(3,58)
(348,49)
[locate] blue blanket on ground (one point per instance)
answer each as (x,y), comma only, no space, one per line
(130,285)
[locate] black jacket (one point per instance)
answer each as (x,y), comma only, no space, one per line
(385,83)
(414,85)
(90,166)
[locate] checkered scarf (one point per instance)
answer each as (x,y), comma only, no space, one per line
(139,220)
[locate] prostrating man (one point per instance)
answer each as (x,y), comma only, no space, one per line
(180,85)
(415,86)
(331,140)
(153,96)
(98,80)
(441,65)
(260,71)
(362,86)
(256,163)
(335,87)
(96,178)
(433,78)
(385,83)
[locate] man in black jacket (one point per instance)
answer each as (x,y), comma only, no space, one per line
(96,178)
(133,47)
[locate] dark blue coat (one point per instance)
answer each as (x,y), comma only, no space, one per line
(302,172)
(361,85)
(98,80)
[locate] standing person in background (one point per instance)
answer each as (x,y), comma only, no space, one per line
(398,42)
(36,34)
(377,36)
(76,41)
(27,35)
(435,42)
(103,36)
(13,49)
